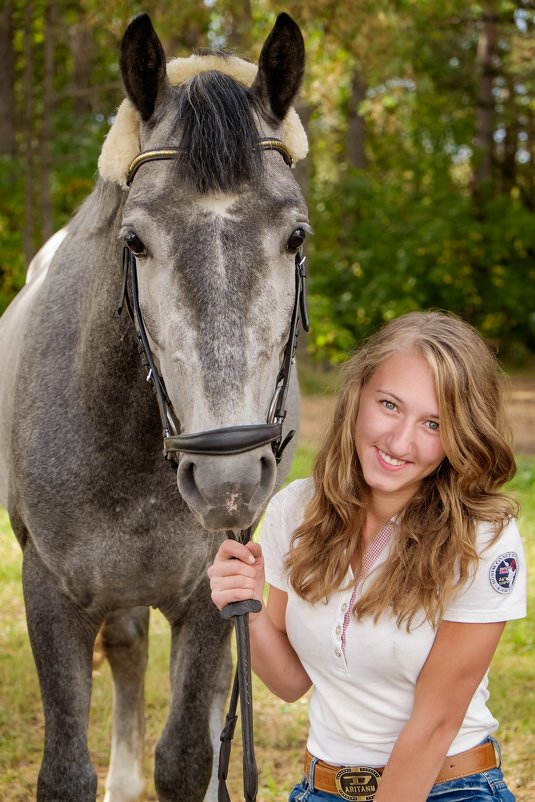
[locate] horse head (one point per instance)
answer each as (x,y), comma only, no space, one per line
(215,221)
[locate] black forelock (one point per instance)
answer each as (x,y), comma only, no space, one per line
(218,134)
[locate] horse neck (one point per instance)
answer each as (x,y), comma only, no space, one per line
(107,358)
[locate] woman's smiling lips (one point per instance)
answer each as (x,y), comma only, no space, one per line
(390,463)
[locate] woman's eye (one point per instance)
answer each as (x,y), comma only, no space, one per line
(297,239)
(134,244)
(433,425)
(388,405)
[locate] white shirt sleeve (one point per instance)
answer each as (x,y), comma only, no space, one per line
(283,515)
(497,591)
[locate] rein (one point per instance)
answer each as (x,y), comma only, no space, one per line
(221,442)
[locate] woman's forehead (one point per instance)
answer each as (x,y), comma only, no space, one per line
(406,375)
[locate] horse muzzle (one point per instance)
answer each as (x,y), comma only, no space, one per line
(227,489)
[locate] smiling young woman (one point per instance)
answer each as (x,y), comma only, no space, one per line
(392,572)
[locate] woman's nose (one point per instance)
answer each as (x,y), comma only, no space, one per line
(401,438)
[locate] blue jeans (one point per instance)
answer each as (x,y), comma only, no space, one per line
(489,786)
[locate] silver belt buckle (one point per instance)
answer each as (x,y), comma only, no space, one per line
(358,784)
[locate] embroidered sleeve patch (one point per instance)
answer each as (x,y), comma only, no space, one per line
(503,572)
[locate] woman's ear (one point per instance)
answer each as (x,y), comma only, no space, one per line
(280,69)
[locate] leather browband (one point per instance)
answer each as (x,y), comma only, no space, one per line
(279,146)
(171,153)
(148,156)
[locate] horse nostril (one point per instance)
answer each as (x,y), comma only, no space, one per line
(186,480)
(268,469)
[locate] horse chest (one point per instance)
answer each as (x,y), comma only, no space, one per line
(133,563)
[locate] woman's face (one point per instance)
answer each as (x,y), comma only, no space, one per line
(397,433)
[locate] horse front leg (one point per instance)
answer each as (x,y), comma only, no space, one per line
(200,676)
(217,715)
(125,642)
(62,637)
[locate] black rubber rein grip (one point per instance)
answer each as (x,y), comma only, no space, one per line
(241,607)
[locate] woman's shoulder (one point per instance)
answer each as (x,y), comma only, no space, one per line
(497,589)
(283,515)
(490,538)
(286,509)
(299,492)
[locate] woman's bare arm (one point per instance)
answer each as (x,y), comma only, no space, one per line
(238,574)
(456,664)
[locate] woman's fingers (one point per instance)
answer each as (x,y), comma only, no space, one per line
(231,568)
(237,573)
(229,590)
(223,597)
(232,549)
(254,548)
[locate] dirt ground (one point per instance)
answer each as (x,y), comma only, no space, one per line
(316,411)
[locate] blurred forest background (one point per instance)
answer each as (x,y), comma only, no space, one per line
(421,120)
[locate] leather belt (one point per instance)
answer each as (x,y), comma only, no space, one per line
(360,783)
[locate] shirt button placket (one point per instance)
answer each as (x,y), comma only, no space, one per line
(338,632)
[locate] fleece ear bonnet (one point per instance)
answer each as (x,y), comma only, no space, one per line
(122,145)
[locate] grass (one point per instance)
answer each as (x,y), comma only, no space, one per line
(280,729)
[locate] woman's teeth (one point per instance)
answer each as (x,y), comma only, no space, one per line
(390,460)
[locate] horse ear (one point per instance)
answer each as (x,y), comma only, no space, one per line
(280,68)
(142,65)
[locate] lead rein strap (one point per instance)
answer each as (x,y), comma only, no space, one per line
(242,690)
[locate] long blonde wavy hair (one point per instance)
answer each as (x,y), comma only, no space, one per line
(434,549)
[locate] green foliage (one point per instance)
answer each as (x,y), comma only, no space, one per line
(381,249)
(417,228)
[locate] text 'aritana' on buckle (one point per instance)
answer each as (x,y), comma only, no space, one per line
(357,784)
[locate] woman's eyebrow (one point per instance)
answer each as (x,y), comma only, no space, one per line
(390,393)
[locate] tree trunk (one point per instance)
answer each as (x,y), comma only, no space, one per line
(356,127)
(484,142)
(508,161)
(81,48)
(528,188)
(28,133)
(45,145)
(7,81)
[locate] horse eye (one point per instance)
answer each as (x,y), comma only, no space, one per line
(296,240)
(134,244)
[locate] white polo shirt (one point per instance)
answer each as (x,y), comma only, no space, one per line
(364,674)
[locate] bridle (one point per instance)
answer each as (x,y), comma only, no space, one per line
(220,442)
(229,439)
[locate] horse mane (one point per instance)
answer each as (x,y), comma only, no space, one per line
(218,133)
(99,211)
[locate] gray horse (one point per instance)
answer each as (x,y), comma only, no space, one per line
(215,231)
